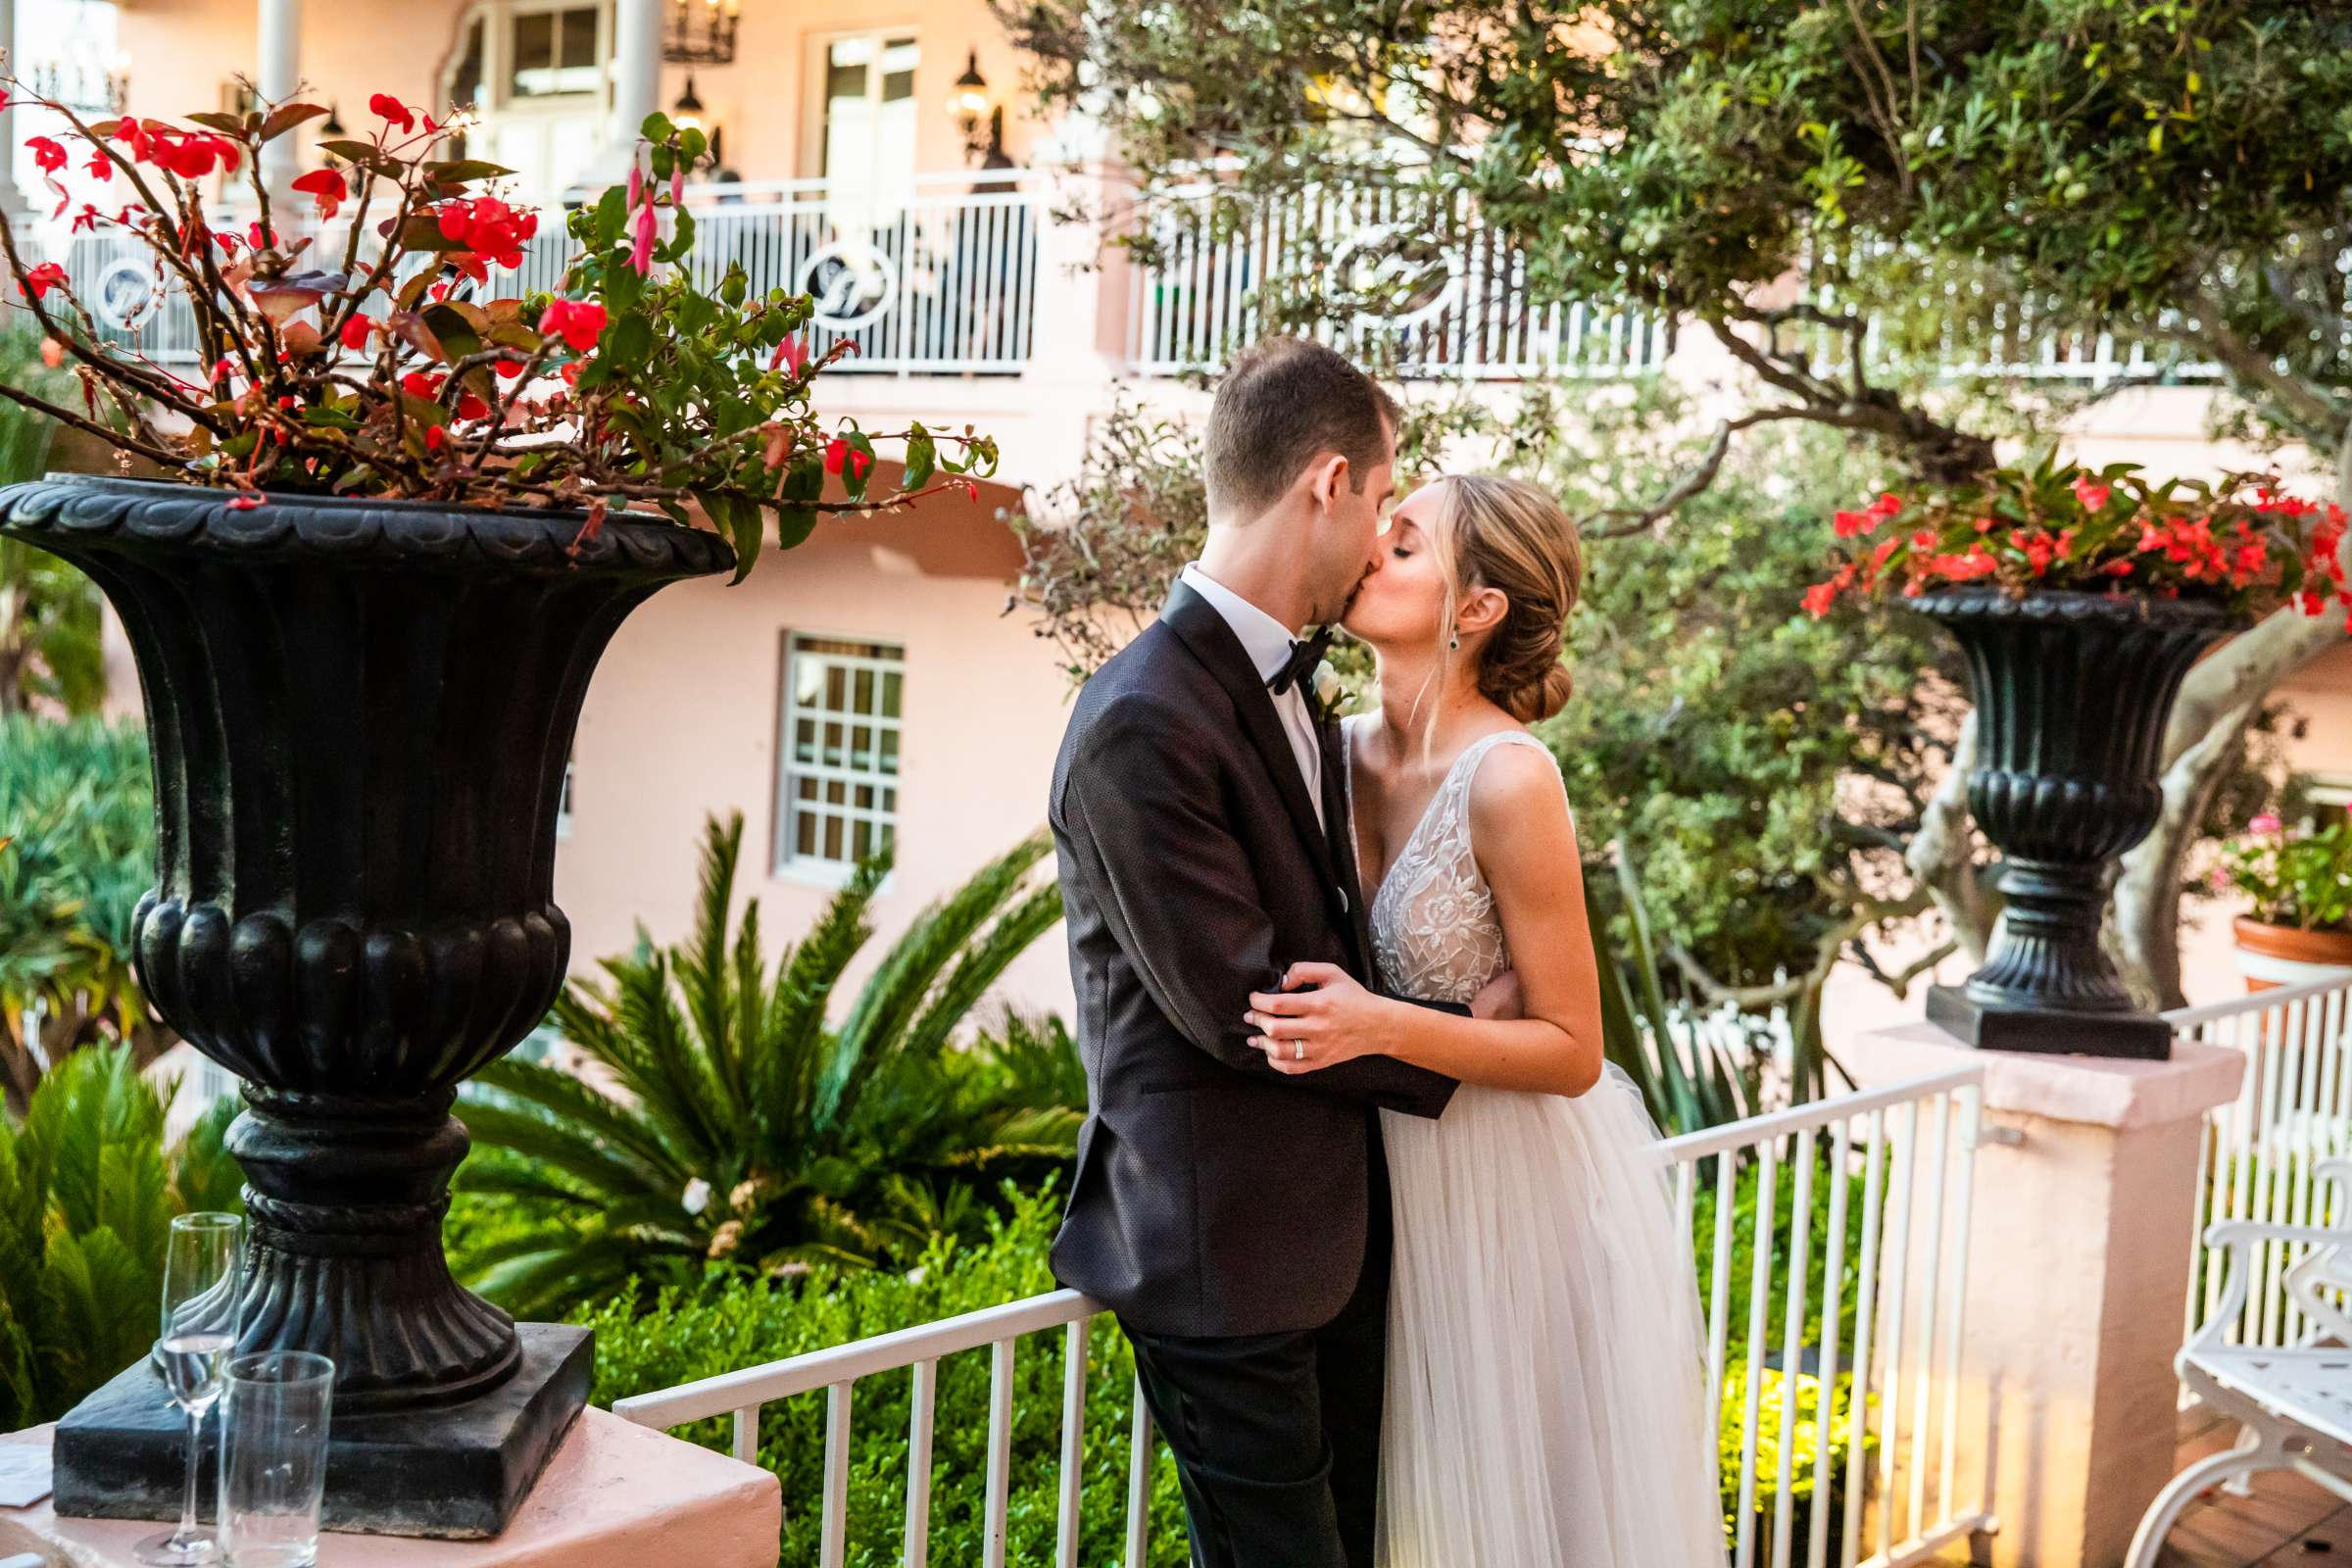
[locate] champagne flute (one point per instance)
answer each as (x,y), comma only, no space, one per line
(202,1267)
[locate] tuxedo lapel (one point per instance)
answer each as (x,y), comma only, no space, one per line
(1196,621)
(1343,835)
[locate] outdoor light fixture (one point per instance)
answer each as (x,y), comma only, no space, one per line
(969,105)
(687,112)
(699,32)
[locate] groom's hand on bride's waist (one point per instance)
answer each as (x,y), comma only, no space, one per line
(1501,997)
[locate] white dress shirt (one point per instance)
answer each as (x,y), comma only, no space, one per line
(1268,642)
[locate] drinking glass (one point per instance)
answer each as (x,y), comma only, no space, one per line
(202,1260)
(273,1457)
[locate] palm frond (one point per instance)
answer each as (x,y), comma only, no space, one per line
(892,999)
(982,965)
(537,1136)
(567,1097)
(785,1074)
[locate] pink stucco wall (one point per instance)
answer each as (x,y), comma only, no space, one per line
(184,53)
(682,722)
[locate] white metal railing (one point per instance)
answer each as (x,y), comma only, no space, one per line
(2257,1157)
(1432,290)
(939,277)
(1891,1167)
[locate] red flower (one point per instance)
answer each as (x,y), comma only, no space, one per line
(471,407)
(508,370)
(792,353)
(357,332)
(488,228)
(327,186)
(417,384)
(1818,598)
(245,503)
(48,155)
(101,165)
(260,238)
(837,452)
(42,280)
(2118,567)
(1849,523)
(2091,493)
(392,111)
(576,321)
(433,439)
(53,355)
(641,248)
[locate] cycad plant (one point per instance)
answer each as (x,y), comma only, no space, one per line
(723,1117)
(87,1191)
(76,853)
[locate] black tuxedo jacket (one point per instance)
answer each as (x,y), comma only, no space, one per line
(1213,1195)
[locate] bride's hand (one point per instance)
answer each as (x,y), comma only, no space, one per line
(1321,1017)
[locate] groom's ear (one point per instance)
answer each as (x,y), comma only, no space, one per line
(1328,478)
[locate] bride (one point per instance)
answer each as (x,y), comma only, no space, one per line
(1547,1406)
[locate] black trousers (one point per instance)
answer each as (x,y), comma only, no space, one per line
(1277,1435)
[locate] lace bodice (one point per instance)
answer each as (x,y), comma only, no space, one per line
(1435,933)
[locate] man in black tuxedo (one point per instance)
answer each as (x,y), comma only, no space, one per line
(1235,1220)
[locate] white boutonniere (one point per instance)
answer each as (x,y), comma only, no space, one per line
(1329,688)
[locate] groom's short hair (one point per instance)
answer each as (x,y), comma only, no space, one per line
(1282,403)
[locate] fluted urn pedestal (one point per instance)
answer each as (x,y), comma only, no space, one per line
(2073,692)
(361,713)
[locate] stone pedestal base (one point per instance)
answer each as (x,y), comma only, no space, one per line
(614,1496)
(2079,1266)
(455,1473)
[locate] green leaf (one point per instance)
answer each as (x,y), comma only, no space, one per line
(464,172)
(922,455)
(285,117)
(629,340)
(741,521)
(655,127)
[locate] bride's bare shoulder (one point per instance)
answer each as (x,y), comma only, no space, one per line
(1516,796)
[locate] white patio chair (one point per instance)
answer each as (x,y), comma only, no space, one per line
(2293,1405)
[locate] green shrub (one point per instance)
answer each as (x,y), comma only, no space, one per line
(87,1191)
(742,1125)
(737,1321)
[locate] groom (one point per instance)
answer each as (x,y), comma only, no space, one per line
(1237,1220)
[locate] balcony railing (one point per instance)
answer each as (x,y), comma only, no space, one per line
(938,277)
(2260,1154)
(1875,1316)
(1418,290)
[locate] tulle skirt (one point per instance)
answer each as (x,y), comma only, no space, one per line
(1547,1404)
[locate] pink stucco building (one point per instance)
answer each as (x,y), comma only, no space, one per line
(873,682)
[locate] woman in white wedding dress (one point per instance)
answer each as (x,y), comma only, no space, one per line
(1547,1405)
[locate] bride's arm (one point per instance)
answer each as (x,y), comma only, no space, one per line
(1526,848)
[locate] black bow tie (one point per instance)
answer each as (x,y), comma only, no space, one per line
(1299,668)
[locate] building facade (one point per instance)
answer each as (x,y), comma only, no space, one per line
(872,686)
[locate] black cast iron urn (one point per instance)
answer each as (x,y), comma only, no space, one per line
(360,714)
(2072,693)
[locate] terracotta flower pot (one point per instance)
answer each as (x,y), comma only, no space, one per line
(2270,955)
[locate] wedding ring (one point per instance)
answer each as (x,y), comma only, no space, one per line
(1297,1051)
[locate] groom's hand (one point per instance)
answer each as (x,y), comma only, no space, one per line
(1322,1017)
(1501,998)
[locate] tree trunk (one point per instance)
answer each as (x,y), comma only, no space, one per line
(2209,720)
(1941,855)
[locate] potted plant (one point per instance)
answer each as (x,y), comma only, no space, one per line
(2300,887)
(402,508)
(2079,599)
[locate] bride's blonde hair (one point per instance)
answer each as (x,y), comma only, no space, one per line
(1500,533)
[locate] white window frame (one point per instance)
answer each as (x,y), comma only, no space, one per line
(817,75)
(498,97)
(790,771)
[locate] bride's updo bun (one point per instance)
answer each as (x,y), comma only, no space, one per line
(1511,537)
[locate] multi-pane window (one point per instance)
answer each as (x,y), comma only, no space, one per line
(841,750)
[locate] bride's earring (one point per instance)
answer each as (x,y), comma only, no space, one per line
(1454,642)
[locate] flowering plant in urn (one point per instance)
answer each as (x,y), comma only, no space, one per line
(2081,597)
(405,503)
(360,341)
